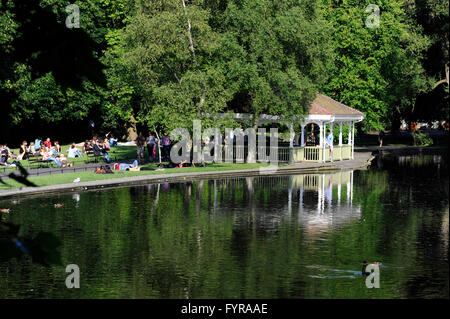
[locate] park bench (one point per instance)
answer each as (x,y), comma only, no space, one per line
(39,161)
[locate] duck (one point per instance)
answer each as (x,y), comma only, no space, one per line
(4,210)
(59,205)
(365,264)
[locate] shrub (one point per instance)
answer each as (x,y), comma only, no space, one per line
(422,139)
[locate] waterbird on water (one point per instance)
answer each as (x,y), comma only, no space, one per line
(4,210)
(59,205)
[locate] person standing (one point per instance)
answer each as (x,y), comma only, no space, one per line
(380,137)
(140,144)
(151,141)
(329,141)
(166,145)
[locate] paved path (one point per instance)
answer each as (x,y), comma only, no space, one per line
(362,159)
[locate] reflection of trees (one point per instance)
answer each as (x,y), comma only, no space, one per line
(408,204)
(245,237)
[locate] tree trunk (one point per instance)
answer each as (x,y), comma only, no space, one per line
(131,129)
(194,56)
(446,80)
(159,146)
(251,155)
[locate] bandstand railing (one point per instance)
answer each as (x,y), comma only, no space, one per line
(316,153)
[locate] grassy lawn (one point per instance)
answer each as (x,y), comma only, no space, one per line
(91,176)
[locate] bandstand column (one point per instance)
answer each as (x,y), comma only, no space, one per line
(302,140)
(353,140)
(320,134)
(349,124)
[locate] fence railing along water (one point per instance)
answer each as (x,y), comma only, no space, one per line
(235,154)
(240,154)
(317,153)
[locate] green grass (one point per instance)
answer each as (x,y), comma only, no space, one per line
(91,176)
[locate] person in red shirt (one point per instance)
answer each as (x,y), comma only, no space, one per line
(48,143)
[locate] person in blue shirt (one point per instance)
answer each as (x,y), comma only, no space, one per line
(37,143)
(329,141)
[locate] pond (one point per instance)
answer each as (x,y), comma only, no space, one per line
(300,236)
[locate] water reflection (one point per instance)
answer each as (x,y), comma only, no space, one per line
(318,201)
(325,200)
(299,236)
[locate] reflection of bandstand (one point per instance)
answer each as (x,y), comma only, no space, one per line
(323,200)
(315,181)
(328,209)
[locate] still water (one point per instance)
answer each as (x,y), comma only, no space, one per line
(300,236)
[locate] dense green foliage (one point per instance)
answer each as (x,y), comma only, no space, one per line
(422,139)
(161,64)
(377,70)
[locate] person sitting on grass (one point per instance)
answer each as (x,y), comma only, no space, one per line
(4,156)
(73,152)
(48,156)
(53,150)
(104,170)
(64,161)
(112,140)
(23,151)
(183,164)
(11,154)
(106,145)
(37,144)
(57,147)
(48,143)
(31,149)
(100,151)
(87,147)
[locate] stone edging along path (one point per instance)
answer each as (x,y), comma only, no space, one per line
(361,160)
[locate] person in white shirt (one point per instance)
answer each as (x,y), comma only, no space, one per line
(73,152)
(329,141)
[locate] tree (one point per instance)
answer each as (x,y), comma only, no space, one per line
(49,72)
(433,16)
(377,70)
(166,60)
(276,55)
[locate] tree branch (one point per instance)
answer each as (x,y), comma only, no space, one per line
(191,47)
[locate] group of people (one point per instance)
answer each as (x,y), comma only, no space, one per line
(151,142)
(96,146)
(48,150)
(52,151)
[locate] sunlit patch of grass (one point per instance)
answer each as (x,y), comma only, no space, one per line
(91,176)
